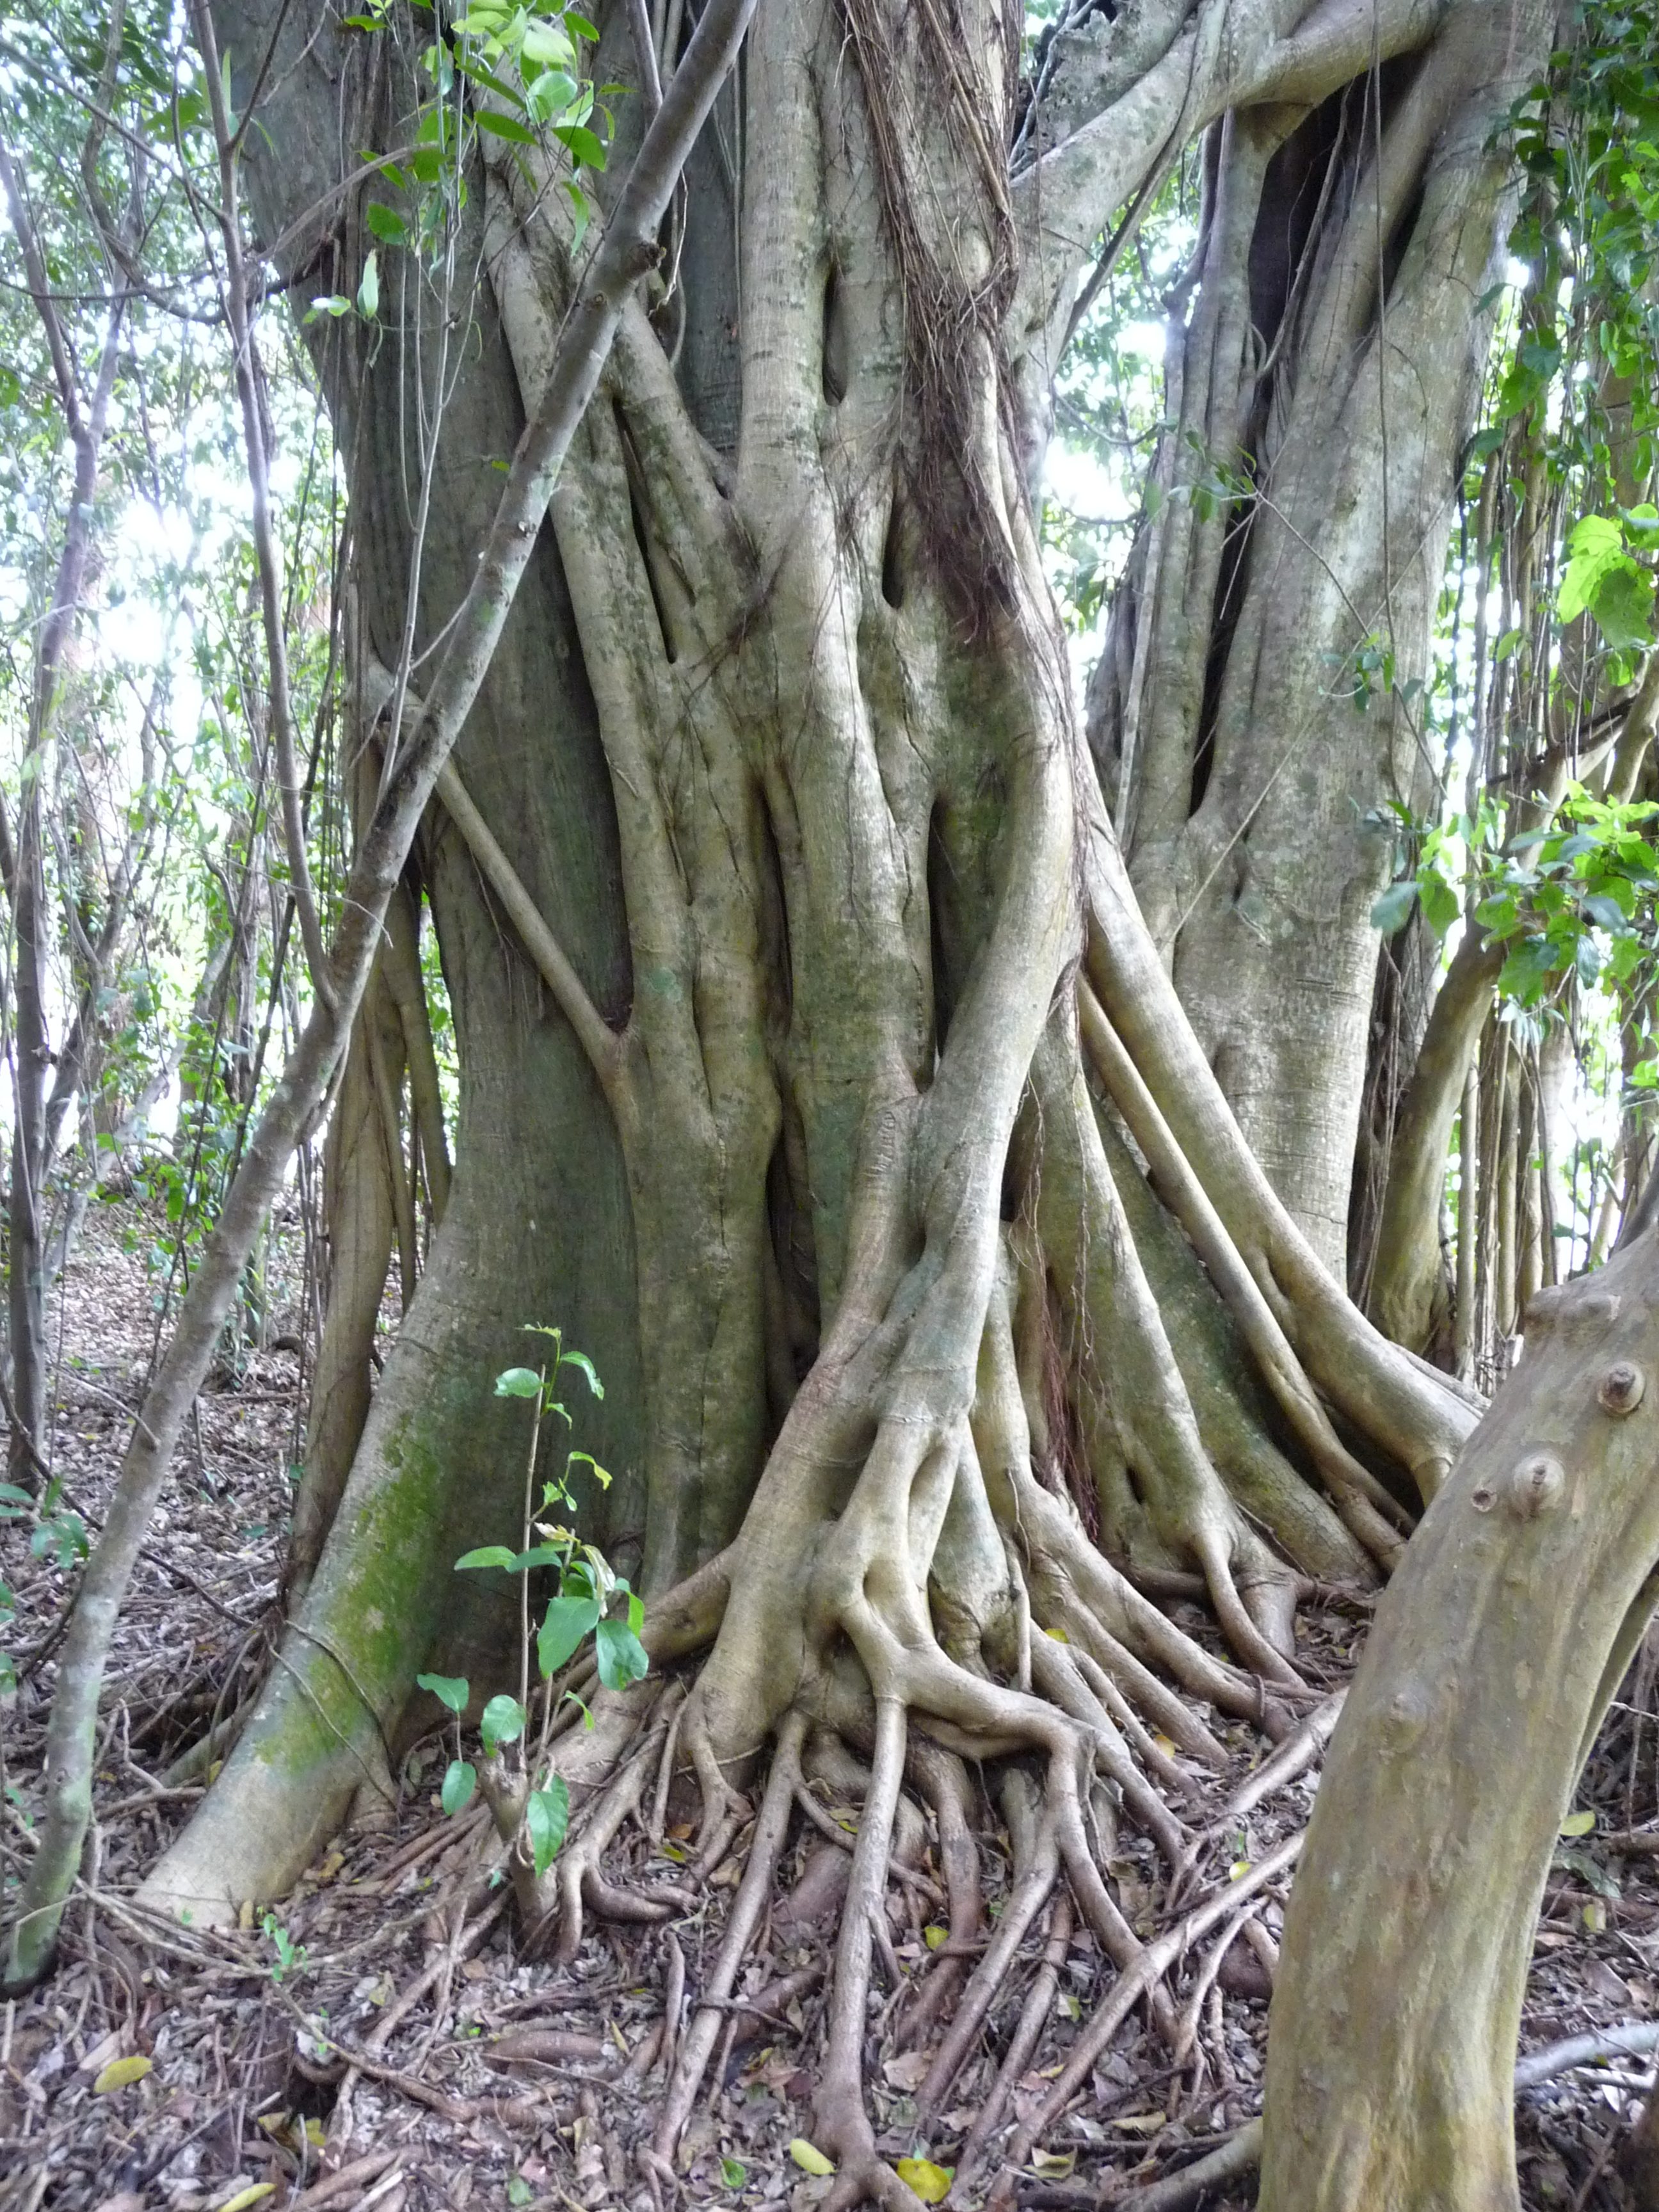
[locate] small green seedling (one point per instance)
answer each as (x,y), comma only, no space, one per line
(589,1600)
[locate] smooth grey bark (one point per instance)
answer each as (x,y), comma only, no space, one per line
(1332,357)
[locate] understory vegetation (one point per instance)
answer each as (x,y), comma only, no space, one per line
(830,1003)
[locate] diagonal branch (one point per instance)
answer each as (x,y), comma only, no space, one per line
(412,770)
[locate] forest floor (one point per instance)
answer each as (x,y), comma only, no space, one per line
(379,2039)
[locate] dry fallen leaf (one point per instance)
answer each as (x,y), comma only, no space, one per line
(907,2071)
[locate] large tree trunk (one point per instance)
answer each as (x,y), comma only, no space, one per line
(860,1133)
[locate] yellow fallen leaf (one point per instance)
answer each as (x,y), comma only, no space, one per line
(935,1935)
(1238,1870)
(1594,1916)
(1166,1744)
(254,2194)
(1579,1824)
(274,2124)
(930,2182)
(810,2157)
(1059,1635)
(120,2072)
(1055,2164)
(1140,2123)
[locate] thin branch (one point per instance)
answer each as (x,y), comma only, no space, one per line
(264,539)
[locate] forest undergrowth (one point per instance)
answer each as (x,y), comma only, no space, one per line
(382,2037)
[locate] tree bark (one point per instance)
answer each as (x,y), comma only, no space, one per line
(1495,1651)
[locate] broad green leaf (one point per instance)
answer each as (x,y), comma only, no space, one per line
(518,1382)
(580,1359)
(930,2182)
(620,1655)
(385,222)
(1579,1824)
(733,2173)
(935,1935)
(460,1780)
(451,1690)
(1607,913)
(551,94)
(1392,910)
(539,1555)
(580,25)
(546,1816)
(504,126)
(810,2157)
(1440,906)
(1622,604)
(1595,547)
(567,1620)
(487,1555)
(546,47)
(502,1721)
(585,148)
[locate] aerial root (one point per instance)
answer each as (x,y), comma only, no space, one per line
(1033,2017)
(771,1827)
(1037,1868)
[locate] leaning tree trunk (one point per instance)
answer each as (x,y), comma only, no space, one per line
(943,1246)
(1495,1652)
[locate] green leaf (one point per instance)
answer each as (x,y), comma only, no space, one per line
(504,126)
(733,2173)
(460,1780)
(368,292)
(1577,1824)
(546,1817)
(539,1555)
(1595,547)
(1622,603)
(568,1620)
(580,25)
(546,47)
(10,1491)
(587,1460)
(620,1655)
(502,1721)
(451,1690)
(518,1382)
(487,1555)
(580,1359)
(584,146)
(385,222)
(1605,912)
(1392,910)
(519,2191)
(810,2157)
(1440,906)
